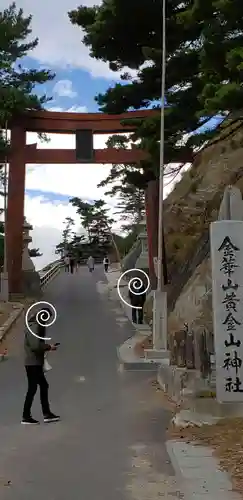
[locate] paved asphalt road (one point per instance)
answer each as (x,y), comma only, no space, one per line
(109,444)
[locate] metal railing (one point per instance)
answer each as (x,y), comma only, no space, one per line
(47,276)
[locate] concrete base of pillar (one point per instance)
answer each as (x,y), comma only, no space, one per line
(157,354)
(4,291)
(31,286)
(160,321)
(144,329)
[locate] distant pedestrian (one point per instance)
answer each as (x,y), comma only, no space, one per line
(77,265)
(72,263)
(137,301)
(35,350)
(66,263)
(90,263)
(106,263)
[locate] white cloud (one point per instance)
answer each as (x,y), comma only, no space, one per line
(77,109)
(60,43)
(47,215)
(73,109)
(46,239)
(42,212)
(64,88)
(71,180)
(47,219)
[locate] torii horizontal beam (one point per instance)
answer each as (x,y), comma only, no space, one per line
(66,123)
(68,156)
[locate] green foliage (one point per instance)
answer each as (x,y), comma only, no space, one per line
(99,240)
(128,183)
(35,252)
(130,239)
(204,66)
(221,57)
(95,220)
(17,83)
(106,40)
(67,231)
(68,238)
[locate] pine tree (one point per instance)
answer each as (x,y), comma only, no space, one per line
(128,183)
(17,84)
(204,64)
(95,219)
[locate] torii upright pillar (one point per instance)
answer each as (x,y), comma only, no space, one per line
(15,208)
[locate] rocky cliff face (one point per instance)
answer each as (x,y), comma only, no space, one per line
(189,209)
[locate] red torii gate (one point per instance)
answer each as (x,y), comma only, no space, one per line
(20,154)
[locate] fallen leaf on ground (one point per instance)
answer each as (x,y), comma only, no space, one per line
(144,344)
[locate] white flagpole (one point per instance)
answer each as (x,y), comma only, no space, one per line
(160,309)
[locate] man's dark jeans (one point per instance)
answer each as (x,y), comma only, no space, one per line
(137,315)
(36,376)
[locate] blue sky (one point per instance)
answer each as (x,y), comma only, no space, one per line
(78,79)
(84,86)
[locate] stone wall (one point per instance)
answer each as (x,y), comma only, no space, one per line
(189,305)
(181,274)
(196,200)
(189,209)
(130,259)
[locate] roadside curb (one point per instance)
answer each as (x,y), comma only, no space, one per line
(176,467)
(126,308)
(198,472)
(132,364)
(127,358)
(4,329)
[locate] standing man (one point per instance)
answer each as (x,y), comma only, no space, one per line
(67,263)
(35,350)
(72,264)
(90,263)
(77,264)
(137,301)
(106,263)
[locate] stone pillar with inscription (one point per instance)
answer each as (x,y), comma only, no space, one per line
(227,289)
